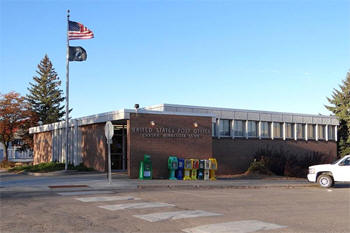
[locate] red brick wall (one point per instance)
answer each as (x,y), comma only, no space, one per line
(94,146)
(42,147)
(235,155)
(161,148)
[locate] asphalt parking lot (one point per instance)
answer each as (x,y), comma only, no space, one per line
(241,209)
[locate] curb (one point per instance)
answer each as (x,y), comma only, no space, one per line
(56,173)
(160,187)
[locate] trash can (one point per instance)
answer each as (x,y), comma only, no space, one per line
(147,167)
(180,169)
(213,168)
(172,166)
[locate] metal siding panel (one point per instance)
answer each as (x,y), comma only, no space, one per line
(170,109)
(287,118)
(317,120)
(326,121)
(334,122)
(216,113)
(55,147)
(80,159)
(59,145)
(297,119)
(227,114)
(253,116)
(265,117)
(71,144)
(63,142)
(200,110)
(184,109)
(307,120)
(241,115)
(277,117)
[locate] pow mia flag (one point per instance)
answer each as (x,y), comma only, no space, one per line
(77,53)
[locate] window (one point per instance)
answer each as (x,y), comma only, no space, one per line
(321,132)
(252,129)
(345,162)
(311,131)
(225,127)
(289,130)
(331,132)
(265,129)
(300,131)
(277,130)
(239,128)
(213,128)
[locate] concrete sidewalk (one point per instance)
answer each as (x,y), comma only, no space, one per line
(120,182)
(227,183)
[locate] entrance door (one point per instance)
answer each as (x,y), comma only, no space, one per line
(118,148)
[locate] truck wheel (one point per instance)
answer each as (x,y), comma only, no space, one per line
(325,181)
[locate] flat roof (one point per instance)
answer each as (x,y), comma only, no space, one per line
(188,110)
(123,114)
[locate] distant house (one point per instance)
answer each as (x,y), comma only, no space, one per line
(15,153)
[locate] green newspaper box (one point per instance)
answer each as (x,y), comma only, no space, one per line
(147,167)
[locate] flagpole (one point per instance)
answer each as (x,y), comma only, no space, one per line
(67,94)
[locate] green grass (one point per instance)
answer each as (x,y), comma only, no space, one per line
(48,167)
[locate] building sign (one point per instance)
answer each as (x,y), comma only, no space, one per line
(156,132)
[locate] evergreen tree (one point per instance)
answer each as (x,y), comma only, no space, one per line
(44,96)
(340,106)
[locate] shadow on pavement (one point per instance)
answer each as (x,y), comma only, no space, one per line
(341,185)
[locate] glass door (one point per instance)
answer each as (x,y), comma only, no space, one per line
(118,148)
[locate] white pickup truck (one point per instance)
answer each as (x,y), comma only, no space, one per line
(326,174)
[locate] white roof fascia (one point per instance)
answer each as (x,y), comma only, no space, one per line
(93,119)
(216,109)
(158,107)
(123,114)
(214,112)
(145,111)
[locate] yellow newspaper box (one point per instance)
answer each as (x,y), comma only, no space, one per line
(188,167)
(195,167)
(213,168)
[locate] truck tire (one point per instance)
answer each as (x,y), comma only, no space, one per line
(325,181)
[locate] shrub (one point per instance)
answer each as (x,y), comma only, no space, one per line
(41,167)
(82,167)
(297,166)
(284,163)
(258,167)
(49,167)
(6,164)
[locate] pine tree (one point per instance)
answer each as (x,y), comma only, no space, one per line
(340,106)
(44,96)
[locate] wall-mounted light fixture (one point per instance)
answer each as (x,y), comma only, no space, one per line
(195,124)
(136,108)
(153,123)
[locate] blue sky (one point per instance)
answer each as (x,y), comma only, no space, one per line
(264,55)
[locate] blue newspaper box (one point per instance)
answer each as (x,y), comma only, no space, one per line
(180,169)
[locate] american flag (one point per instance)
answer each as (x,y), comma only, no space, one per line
(77,31)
